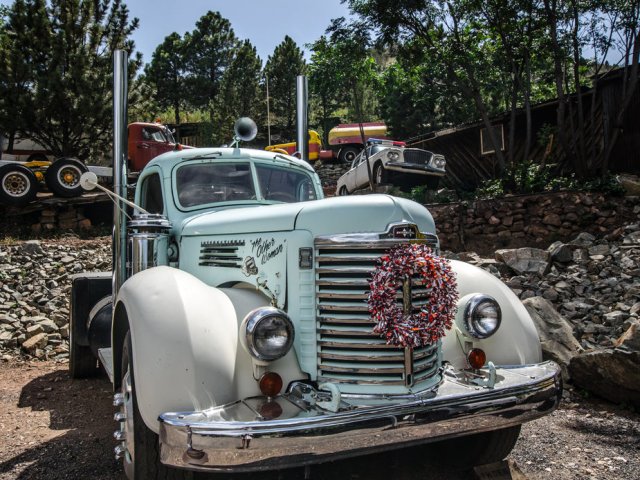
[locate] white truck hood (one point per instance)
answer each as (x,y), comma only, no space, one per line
(355,214)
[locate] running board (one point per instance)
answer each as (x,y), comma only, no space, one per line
(106,359)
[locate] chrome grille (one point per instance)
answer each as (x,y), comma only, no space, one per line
(348,350)
(220,254)
(416,156)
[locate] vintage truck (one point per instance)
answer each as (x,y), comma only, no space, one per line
(237,325)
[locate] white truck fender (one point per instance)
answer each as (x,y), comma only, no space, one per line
(184,334)
(515,343)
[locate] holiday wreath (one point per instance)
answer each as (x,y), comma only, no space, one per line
(415,328)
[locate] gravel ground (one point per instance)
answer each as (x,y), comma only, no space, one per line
(55,428)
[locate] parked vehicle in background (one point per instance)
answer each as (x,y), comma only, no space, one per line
(391,162)
(24,150)
(21,181)
(147,141)
(315,148)
(346,141)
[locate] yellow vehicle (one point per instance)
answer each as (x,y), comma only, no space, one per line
(315,146)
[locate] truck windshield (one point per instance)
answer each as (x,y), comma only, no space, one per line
(217,182)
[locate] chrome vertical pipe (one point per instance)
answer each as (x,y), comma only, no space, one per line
(302,117)
(119,168)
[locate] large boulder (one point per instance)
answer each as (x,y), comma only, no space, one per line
(613,374)
(555,332)
(524,260)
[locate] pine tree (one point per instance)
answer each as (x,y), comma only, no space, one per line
(282,68)
(240,91)
(60,54)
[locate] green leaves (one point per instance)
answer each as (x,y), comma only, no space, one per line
(281,69)
(55,71)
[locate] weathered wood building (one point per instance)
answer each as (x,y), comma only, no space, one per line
(471,158)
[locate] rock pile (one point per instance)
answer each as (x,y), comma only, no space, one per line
(585,299)
(35,282)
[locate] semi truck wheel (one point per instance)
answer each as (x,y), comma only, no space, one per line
(63,177)
(348,153)
(18,185)
(141,454)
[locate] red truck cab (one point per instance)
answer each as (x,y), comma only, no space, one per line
(147,141)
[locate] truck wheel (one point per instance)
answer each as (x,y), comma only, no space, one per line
(379,174)
(63,177)
(18,185)
(347,154)
(141,458)
(479,449)
(343,191)
(82,363)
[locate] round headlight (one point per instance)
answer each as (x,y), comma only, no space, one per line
(392,155)
(482,316)
(268,332)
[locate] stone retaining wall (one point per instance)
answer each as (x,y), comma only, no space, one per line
(530,220)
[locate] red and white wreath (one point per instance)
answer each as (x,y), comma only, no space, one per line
(423,327)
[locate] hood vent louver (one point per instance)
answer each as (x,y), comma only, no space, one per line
(220,254)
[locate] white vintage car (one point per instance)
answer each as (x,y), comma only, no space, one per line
(241,337)
(391,162)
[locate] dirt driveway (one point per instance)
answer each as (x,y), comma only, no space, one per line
(54,428)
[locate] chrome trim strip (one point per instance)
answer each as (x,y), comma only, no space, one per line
(304,434)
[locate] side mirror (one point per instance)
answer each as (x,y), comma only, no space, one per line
(88,181)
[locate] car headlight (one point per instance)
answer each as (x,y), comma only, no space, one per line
(482,316)
(438,161)
(393,155)
(268,333)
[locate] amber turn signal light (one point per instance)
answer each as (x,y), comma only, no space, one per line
(270,384)
(476,358)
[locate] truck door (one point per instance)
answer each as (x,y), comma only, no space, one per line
(148,142)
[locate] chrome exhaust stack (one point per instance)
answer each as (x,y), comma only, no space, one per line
(119,237)
(302,116)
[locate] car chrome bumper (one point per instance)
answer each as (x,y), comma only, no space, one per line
(241,437)
(418,168)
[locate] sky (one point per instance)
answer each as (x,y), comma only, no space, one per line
(264,22)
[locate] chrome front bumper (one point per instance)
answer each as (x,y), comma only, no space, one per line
(292,430)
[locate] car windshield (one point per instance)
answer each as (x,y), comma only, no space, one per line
(217,182)
(169,135)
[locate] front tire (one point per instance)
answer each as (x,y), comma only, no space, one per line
(380,176)
(141,459)
(63,177)
(18,185)
(343,191)
(480,448)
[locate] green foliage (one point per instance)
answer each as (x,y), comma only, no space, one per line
(281,70)
(166,75)
(535,178)
(56,71)
(240,92)
(208,52)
